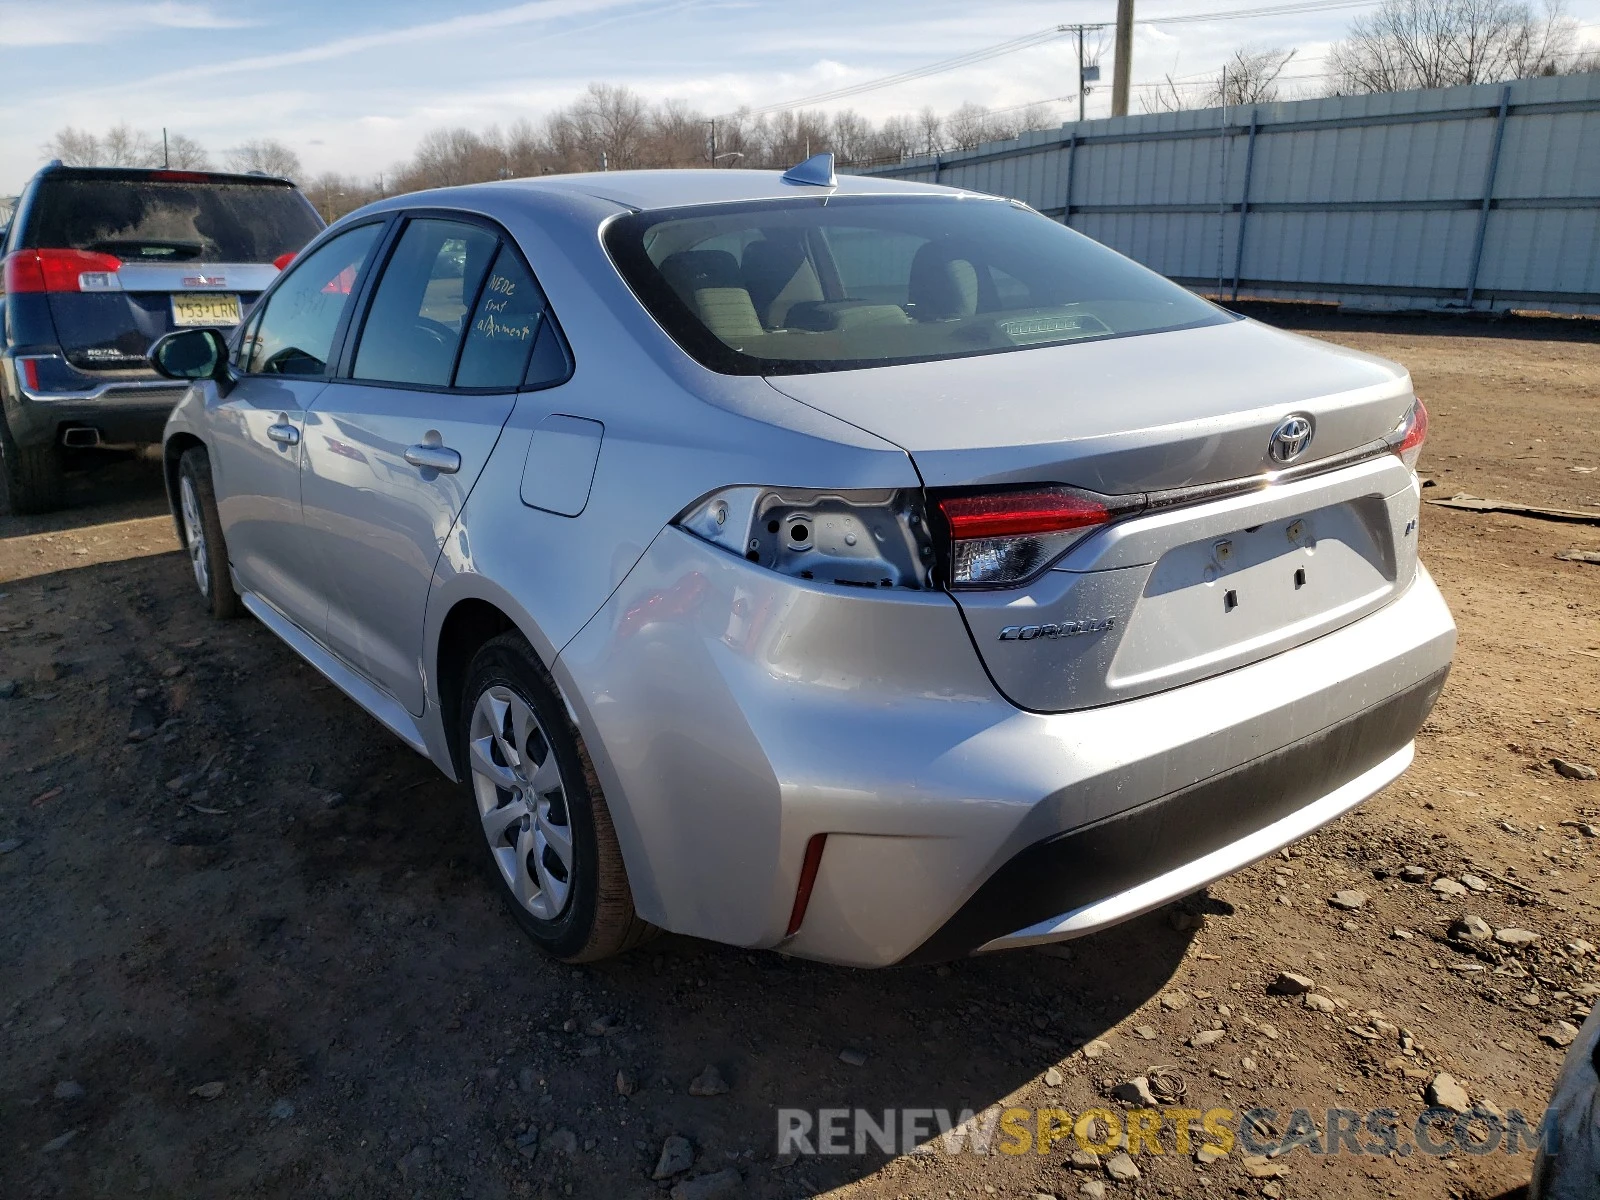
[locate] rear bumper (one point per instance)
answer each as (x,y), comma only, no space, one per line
(127,410)
(734,713)
(1087,879)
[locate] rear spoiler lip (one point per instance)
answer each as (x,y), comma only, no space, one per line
(132,174)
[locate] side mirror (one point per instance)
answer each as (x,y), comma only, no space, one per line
(191,354)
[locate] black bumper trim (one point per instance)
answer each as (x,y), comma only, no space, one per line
(1069,870)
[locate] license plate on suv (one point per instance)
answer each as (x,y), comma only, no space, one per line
(204,308)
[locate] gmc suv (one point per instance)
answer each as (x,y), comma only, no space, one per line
(97,263)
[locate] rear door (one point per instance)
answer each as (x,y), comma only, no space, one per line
(257,429)
(131,255)
(393,448)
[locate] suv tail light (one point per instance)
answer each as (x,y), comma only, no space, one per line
(1409,435)
(998,539)
(61,271)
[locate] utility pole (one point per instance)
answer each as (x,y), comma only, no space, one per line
(166,161)
(1124,59)
(1087,72)
(1081,85)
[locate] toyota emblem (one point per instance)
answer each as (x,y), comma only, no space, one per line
(1290,439)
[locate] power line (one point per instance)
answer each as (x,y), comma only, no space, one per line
(1042,36)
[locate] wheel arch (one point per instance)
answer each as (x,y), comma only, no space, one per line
(470,622)
(172,452)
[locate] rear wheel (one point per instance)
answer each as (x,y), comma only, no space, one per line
(538,806)
(202,534)
(33,475)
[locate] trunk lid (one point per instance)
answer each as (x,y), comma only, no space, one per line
(1172,594)
(1134,414)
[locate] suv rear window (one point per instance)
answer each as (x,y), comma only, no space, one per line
(149,219)
(826,284)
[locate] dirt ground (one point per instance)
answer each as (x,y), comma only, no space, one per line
(247,952)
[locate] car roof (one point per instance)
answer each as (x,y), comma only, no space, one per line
(678,188)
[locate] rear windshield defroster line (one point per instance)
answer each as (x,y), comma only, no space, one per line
(813,284)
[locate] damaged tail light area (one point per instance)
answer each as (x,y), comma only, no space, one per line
(1000,539)
(1408,436)
(871,539)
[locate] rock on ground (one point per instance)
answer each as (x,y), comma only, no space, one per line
(1122,1168)
(708,1083)
(1289,984)
(677,1156)
(1445,1092)
(1568,769)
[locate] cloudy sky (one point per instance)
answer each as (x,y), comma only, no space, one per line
(351,84)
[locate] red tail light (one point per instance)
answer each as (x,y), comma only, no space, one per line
(283,260)
(1004,538)
(59,270)
(1008,514)
(808,880)
(1413,432)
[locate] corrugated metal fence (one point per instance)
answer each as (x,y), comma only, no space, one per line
(1472,197)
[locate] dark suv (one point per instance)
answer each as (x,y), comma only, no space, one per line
(99,262)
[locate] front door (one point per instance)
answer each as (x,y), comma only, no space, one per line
(258,426)
(392,452)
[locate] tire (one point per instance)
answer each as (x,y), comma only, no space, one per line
(202,534)
(33,475)
(511,708)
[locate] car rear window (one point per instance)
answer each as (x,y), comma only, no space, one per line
(148,219)
(836,283)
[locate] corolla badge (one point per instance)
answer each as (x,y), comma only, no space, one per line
(1053,630)
(1290,439)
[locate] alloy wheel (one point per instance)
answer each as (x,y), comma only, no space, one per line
(194,534)
(522,801)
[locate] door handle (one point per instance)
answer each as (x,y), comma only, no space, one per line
(282,432)
(434,457)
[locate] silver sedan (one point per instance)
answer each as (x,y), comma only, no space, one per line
(880,572)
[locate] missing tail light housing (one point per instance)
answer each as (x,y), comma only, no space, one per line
(1409,435)
(858,538)
(61,271)
(1004,538)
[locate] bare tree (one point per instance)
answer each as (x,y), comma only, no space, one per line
(679,136)
(267,155)
(1250,77)
(968,125)
(125,146)
(930,128)
(612,123)
(186,154)
(75,147)
(1442,43)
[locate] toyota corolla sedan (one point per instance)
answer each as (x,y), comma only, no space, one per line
(879,572)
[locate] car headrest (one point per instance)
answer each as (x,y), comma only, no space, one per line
(942,285)
(691,271)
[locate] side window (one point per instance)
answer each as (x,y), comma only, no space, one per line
(505,325)
(294,335)
(419,309)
